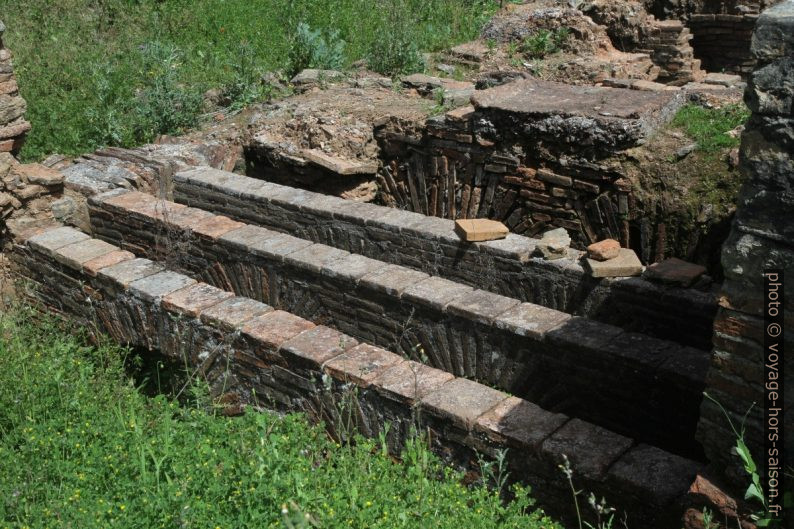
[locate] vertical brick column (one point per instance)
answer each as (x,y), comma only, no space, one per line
(762,237)
(13,126)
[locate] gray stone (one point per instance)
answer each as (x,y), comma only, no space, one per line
(393,280)
(462,401)
(773,36)
(519,423)
(435,292)
(481,306)
(352,267)
(315,257)
(554,244)
(626,264)
(63,209)
(126,272)
(231,314)
(51,240)
(155,286)
(652,475)
(528,319)
(74,255)
(590,448)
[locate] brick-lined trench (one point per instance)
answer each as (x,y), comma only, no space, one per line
(629,382)
(249,346)
(429,244)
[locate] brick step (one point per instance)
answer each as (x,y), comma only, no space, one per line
(429,244)
(271,356)
(628,382)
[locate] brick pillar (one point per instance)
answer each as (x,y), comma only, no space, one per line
(13,126)
(762,237)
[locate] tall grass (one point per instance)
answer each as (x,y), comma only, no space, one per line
(80,446)
(86,69)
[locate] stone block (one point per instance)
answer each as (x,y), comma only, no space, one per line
(590,448)
(393,280)
(675,271)
(773,37)
(361,365)
(340,166)
(155,286)
(652,475)
(315,257)
(93,266)
(475,230)
(51,240)
(312,348)
(264,242)
(35,173)
(274,328)
(192,300)
(410,381)
(352,267)
(481,306)
(74,255)
(215,227)
(528,319)
(626,264)
(519,423)
(462,401)
(435,292)
(231,314)
(603,250)
(126,272)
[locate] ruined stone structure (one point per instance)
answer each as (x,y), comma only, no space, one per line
(761,238)
(252,347)
(13,126)
(721,29)
(335,254)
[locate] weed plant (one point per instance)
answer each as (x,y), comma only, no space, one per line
(120,72)
(80,446)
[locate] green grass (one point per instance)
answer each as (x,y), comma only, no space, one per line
(708,126)
(103,72)
(81,447)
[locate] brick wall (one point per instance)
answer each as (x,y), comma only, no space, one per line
(761,238)
(628,381)
(430,245)
(248,346)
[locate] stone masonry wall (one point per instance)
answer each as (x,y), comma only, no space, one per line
(761,238)
(13,126)
(278,359)
(430,245)
(625,381)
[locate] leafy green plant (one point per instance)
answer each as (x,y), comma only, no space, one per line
(164,105)
(755,491)
(311,49)
(396,51)
(544,42)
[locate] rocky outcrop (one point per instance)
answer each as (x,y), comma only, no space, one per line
(761,238)
(13,126)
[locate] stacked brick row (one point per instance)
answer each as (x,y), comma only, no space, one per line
(761,238)
(250,349)
(667,42)
(521,157)
(429,244)
(519,347)
(722,41)
(13,126)
(26,187)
